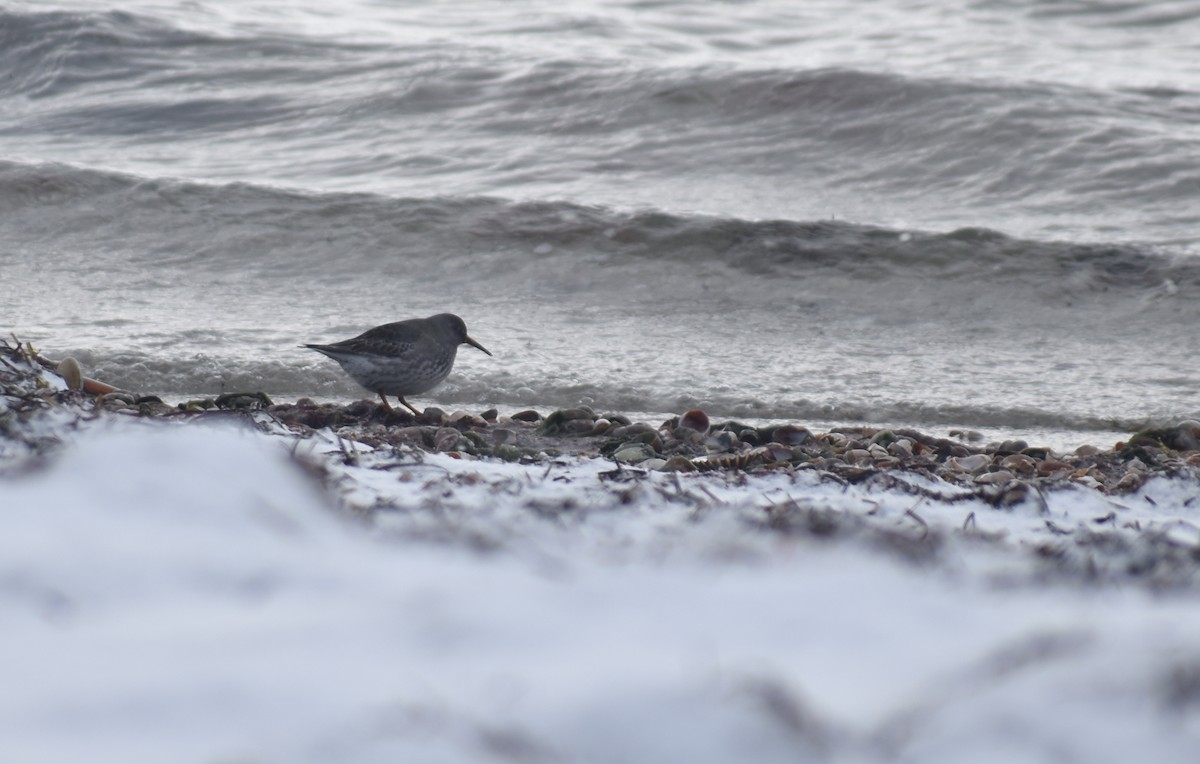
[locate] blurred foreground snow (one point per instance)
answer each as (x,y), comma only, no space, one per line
(198,594)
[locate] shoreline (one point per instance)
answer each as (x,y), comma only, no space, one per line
(1000,472)
(1089,516)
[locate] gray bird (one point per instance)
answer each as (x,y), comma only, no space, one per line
(404,358)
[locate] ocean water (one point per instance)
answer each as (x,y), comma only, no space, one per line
(956,214)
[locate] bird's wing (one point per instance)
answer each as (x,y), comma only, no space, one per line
(389,340)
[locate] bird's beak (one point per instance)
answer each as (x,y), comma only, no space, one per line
(473,343)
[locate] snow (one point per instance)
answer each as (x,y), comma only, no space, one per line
(200,593)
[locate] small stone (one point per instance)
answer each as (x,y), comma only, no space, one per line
(199,404)
(447,439)
(777,452)
(1131,481)
(417,434)
(634,453)
(529,415)
(491,415)
(837,440)
(656,463)
(1048,467)
(722,440)
(478,442)
(508,452)
(433,415)
(554,423)
(678,463)
(972,463)
(462,418)
(790,435)
(883,438)
(577,427)
(650,439)
(581,412)
(630,430)
(858,456)
(1088,481)
(694,420)
(116,400)
(71,372)
(1019,463)
(998,476)
(244,401)
(363,409)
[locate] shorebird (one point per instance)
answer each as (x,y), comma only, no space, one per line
(402,358)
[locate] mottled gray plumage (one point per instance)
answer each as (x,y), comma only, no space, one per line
(404,358)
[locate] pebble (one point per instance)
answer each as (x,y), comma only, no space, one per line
(71,372)
(462,418)
(629,430)
(1012,446)
(998,476)
(695,420)
(447,439)
(577,426)
(883,438)
(432,415)
(1019,463)
(972,463)
(858,456)
(723,440)
(779,452)
(582,412)
(634,453)
(678,463)
(790,435)
(1048,467)
(508,453)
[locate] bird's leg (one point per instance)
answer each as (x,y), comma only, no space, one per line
(409,405)
(387,406)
